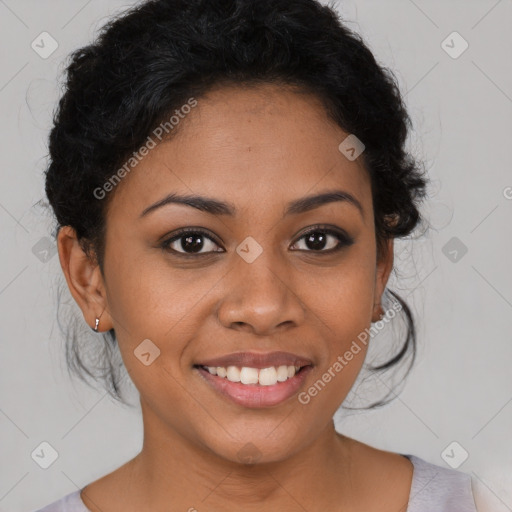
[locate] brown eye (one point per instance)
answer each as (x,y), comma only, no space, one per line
(196,242)
(190,242)
(324,240)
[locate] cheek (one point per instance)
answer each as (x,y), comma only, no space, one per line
(343,296)
(342,300)
(150,299)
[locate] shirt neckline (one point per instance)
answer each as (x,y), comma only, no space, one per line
(413,459)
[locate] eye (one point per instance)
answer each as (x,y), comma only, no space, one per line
(196,241)
(188,242)
(322,239)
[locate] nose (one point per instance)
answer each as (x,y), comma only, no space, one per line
(260,298)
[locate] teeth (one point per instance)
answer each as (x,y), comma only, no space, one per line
(282,373)
(268,376)
(246,375)
(249,375)
(233,374)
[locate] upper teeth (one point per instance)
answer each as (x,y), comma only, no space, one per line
(245,375)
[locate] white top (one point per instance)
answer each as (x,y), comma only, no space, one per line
(434,488)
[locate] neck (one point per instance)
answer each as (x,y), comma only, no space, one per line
(172,469)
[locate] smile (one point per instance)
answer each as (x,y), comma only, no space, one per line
(254,376)
(265,387)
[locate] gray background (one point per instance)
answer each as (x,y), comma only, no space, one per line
(461,387)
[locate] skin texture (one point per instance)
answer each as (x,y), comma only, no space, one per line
(257,148)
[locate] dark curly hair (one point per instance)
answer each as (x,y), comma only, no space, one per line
(151,59)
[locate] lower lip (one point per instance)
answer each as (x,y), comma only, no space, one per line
(254,395)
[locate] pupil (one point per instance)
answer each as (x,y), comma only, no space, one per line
(316,240)
(193,243)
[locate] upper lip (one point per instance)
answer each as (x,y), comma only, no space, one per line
(257,360)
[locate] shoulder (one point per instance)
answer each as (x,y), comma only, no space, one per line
(439,488)
(70,503)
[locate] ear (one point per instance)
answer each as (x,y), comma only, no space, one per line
(84,279)
(383,270)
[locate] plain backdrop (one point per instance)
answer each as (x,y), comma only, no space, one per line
(456,277)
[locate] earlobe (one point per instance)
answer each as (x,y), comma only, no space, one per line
(84,279)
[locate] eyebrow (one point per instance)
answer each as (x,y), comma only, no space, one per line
(216,207)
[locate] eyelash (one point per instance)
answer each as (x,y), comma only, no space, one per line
(343,239)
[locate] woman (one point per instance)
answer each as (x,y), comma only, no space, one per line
(228,179)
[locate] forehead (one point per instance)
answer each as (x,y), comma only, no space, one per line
(264,146)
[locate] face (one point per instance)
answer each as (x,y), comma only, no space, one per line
(265,280)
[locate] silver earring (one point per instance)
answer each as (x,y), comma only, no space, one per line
(95,328)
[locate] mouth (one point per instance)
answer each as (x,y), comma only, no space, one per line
(254,383)
(254,376)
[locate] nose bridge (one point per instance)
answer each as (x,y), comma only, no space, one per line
(259,296)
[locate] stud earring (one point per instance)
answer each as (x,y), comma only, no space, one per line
(95,328)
